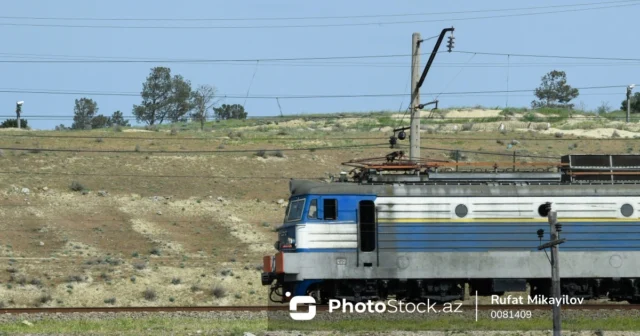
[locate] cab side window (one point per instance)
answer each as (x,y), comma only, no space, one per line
(330,209)
(313,209)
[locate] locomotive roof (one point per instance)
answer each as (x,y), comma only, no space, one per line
(306,187)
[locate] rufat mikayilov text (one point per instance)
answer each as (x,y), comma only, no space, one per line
(535,300)
(393,306)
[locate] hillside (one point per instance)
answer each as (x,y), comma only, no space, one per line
(177,216)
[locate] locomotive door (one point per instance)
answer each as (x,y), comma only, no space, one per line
(367,252)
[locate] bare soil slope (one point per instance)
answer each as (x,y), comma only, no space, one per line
(96,218)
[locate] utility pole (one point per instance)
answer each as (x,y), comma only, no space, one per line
(417,80)
(18,111)
(629,88)
(555,263)
(414,137)
(555,274)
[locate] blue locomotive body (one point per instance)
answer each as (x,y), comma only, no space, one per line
(419,241)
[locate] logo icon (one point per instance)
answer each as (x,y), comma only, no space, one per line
(293,306)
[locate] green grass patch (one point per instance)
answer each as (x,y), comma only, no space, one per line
(620,116)
(129,326)
(155,326)
(450,323)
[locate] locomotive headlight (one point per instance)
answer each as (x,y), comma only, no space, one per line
(291,240)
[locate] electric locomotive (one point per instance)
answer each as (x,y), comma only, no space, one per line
(428,233)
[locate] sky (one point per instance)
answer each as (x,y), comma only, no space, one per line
(42,31)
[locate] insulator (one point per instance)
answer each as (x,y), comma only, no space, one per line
(393,141)
(540,233)
(559,227)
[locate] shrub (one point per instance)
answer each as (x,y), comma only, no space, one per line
(99,140)
(195,288)
(1,304)
(36,282)
(44,298)
(467,126)
(110,300)
(117,128)
(171,299)
(282,132)
(75,278)
(135,254)
(238,296)
(76,186)
(139,266)
(221,146)
(279,153)
(155,251)
(149,294)
(218,291)
(137,148)
(261,153)
(174,131)
(234,135)
(13,123)
(176,281)
(133,278)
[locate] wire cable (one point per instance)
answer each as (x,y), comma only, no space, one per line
(459,137)
(163,176)
(548,56)
(306,17)
(358,24)
(307,96)
(81,150)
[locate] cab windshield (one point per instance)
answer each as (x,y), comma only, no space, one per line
(295,210)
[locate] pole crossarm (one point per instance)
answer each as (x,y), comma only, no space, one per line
(551,244)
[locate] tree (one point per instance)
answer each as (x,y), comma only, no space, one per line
(13,123)
(202,101)
(83,112)
(100,121)
(163,97)
(180,103)
(235,111)
(118,119)
(554,91)
(635,103)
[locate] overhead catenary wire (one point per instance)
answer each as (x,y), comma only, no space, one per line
(286,118)
(304,62)
(306,17)
(221,151)
(302,139)
(546,56)
(206,61)
(629,3)
(22,172)
(307,96)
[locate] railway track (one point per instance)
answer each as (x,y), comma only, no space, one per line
(69,310)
